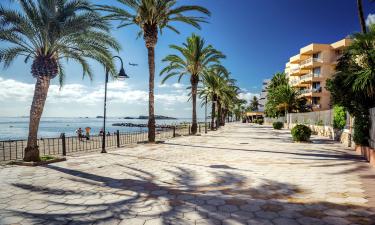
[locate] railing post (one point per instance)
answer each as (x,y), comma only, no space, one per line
(199,126)
(205,128)
(63,142)
(118,138)
(189,129)
(174,131)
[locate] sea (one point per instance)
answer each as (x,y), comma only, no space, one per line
(16,128)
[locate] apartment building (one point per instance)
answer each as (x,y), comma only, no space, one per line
(309,70)
(263,95)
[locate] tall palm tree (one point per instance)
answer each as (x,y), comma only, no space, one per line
(46,32)
(254,104)
(360,61)
(361,16)
(193,60)
(152,16)
(214,82)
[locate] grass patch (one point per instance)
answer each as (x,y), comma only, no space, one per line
(47,158)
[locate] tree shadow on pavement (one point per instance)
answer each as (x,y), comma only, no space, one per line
(180,195)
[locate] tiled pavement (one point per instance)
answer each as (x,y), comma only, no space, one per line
(241,174)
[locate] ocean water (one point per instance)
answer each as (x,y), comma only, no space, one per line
(16,128)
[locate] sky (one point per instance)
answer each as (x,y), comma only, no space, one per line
(257,36)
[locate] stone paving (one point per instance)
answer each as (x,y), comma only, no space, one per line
(241,174)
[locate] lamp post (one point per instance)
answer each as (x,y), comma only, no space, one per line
(121,75)
(205,117)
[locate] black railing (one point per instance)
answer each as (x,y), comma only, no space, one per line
(14,149)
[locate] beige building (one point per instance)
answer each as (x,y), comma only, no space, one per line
(309,70)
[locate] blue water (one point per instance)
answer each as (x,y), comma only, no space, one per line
(17,127)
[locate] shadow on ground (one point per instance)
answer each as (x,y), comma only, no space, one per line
(230,197)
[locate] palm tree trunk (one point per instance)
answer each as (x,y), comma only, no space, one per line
(219,113)
(40,96)
(194,86)
(213,113)
(361,16)
(151,101)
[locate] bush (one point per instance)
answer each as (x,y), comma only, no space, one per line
(339,117)
(259,121)
(301,133)
(278,125)
(361,127)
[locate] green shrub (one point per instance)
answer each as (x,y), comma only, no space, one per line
(339,117)
(361,127)
(259,121)
(278,125)
(301,133)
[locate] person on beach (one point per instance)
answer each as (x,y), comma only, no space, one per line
(79,133)
(88,129)
(101,132)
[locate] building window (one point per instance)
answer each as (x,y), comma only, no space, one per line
(316,87)
(316,100)
(317,55)
(316,71)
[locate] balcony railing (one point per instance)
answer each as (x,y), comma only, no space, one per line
(307,77)
(313,90)
(310,60)
(295,81)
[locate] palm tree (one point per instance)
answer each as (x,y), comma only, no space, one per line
(361,16)
(360,61)
(194,59)
(213,81)
(47,32)
(254,104)
(152,16)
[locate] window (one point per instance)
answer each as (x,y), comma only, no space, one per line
(316,72)
(317,55)
(316,100)
(316,86)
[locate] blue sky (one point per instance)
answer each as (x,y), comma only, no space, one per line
(258,37)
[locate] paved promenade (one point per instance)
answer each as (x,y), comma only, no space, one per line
(241,174)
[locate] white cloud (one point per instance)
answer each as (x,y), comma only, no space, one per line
(119,92)
(173,86)
(247,96)
(370,19)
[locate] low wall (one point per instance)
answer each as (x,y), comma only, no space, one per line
(327,131)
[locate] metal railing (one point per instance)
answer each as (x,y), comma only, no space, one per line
(14,149)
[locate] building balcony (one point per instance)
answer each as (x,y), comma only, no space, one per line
(297,71)
(310,91)
(311,62)
(306,78)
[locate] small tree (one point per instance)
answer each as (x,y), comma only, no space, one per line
(339,117)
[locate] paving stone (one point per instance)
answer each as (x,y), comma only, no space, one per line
(333,220)
(208,179)
(285,221)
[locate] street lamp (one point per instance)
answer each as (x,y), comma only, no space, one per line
(121,76)
(205,117)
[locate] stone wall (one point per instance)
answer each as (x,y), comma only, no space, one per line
(327,131)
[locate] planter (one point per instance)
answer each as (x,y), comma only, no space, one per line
(367,152)
(41,163)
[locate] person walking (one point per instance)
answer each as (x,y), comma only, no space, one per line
(79,133)
(88,130)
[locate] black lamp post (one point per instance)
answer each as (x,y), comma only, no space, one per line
(205,117)
(121,75)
